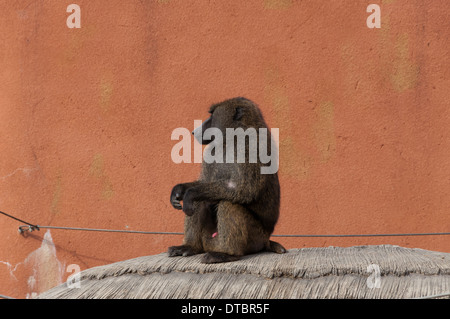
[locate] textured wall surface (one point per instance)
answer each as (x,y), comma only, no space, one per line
(86,116)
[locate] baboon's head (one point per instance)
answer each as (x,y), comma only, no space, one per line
(232,113)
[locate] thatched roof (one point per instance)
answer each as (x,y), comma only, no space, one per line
(332,272)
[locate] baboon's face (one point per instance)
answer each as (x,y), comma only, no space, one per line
(229,114)
(199,132)
(222,117)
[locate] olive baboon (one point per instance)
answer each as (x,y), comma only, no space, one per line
(232,209)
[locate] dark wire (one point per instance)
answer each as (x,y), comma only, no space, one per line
(364,235)
(20,220)
(30,227)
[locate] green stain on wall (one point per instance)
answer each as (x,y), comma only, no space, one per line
(97,165)
(107,191)
(106,90)
(276,96)
(73,44)
(404,71)
(294,163)
(324,130)
(398,66)
(290,153)
(56,199)
(97,170)
(277,4)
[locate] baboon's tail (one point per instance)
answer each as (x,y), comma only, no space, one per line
(275,247)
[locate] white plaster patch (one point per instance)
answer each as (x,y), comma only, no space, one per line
(26,171)
(46,270)
(10,268)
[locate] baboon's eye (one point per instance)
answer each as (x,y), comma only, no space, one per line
(238,113)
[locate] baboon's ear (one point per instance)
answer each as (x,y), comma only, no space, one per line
(238,113)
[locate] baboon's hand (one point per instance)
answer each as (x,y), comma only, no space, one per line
(176,196)
(188,202)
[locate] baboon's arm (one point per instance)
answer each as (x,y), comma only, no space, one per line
(178,192)
(217,191)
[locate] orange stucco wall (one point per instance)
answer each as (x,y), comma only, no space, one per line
(86,117)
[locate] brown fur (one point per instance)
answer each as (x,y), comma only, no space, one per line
(233,199)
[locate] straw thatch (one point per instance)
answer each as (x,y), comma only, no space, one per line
(332,272)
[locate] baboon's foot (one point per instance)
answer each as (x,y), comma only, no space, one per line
(183,250)
(276,247)
(214,258)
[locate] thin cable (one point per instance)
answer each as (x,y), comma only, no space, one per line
(447,294)
(20,220)
(30,227)
(274,235)
(6,297)
(365,235)
(111,230)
